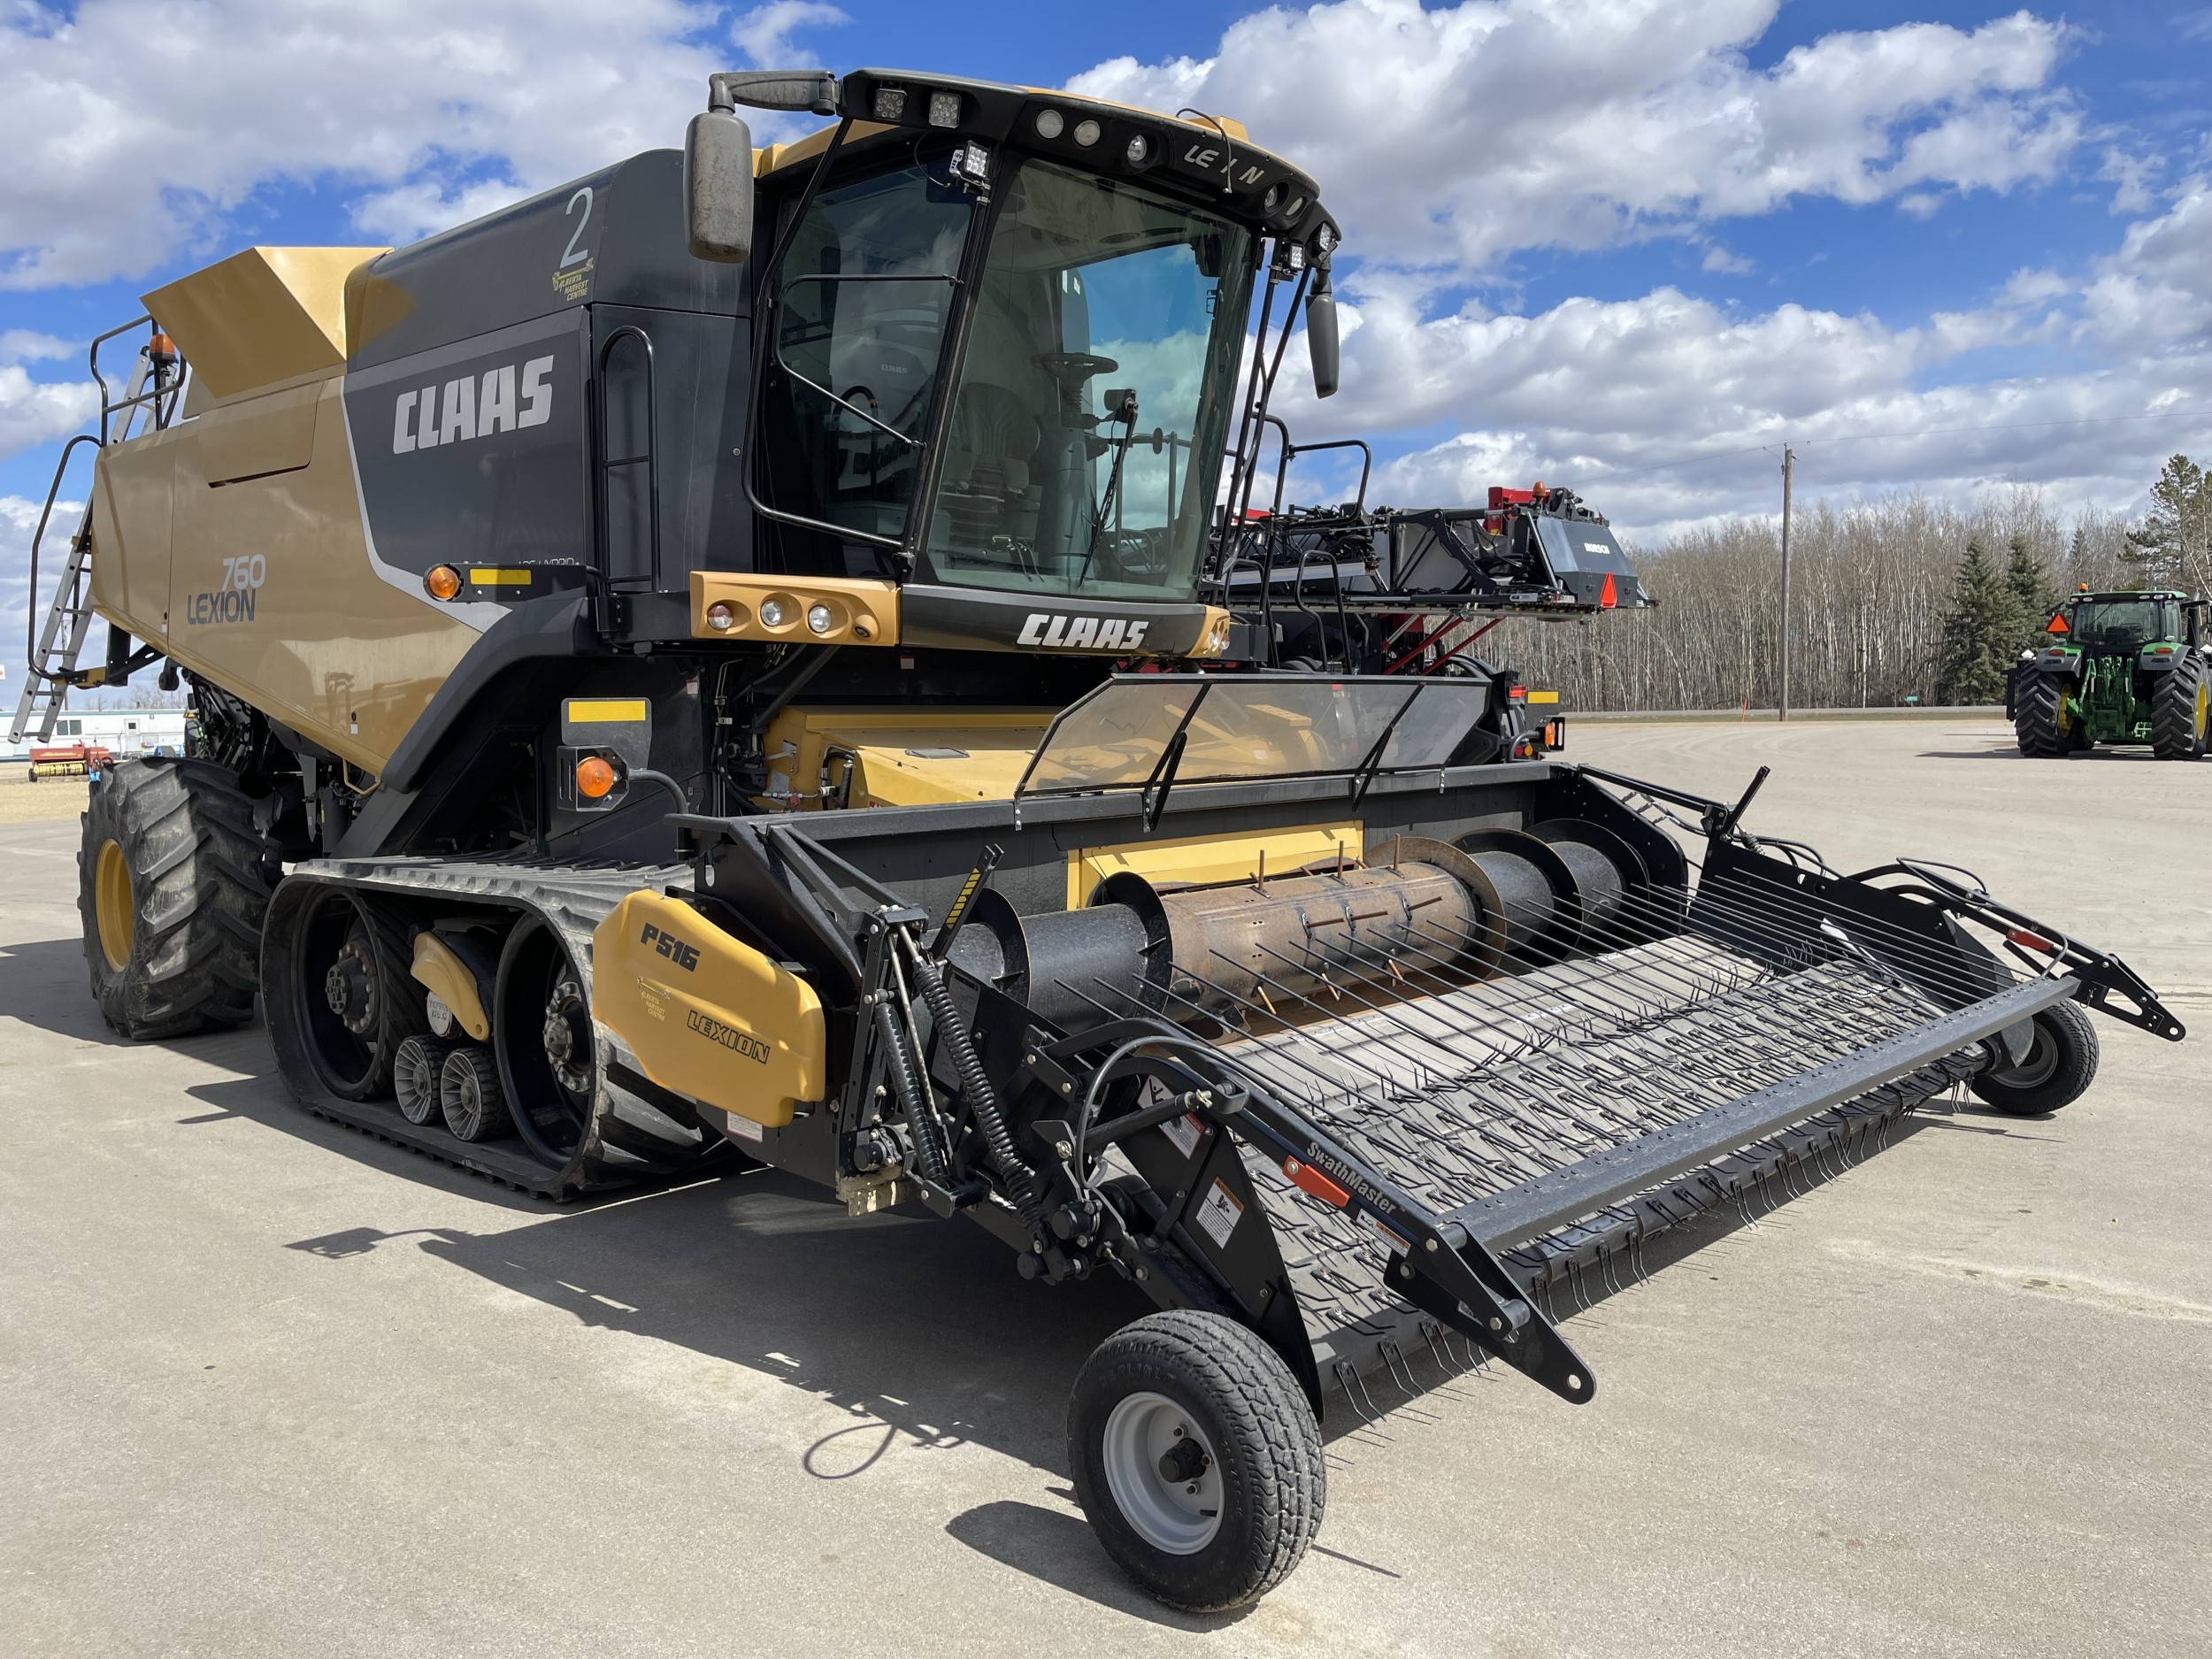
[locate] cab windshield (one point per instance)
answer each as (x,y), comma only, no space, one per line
(1092,408)
(2120,625)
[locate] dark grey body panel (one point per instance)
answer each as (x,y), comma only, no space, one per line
(560,383)
(542,256)
(984,618)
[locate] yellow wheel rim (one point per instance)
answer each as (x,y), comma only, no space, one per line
(2204,703)
(113,906)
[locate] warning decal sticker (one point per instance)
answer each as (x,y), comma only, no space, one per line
(1219,1213)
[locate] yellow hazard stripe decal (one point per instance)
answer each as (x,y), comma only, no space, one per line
(590,711)
(499,578)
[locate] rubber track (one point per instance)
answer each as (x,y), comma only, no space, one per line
(632,1140)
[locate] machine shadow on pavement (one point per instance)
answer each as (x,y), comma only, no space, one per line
(42,983)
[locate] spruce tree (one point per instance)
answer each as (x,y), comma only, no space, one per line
(2033,592)
(2172,547)
(1980,634)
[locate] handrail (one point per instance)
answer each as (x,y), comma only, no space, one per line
(649,459)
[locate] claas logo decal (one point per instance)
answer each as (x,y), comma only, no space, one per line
(685,957)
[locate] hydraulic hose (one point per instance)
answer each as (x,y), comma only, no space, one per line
(1018,1177)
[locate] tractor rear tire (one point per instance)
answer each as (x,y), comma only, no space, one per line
(2060,1063)
(2040,719)
(2179,709)
(173,882)
(1196,1458)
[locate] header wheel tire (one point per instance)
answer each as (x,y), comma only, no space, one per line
(2060,1062)
(1196,1458)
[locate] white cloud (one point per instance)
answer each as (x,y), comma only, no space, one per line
(1668,409)
(764,34)
(1456,137)
(24,345)
(133,128)
(37,412)
(19,520)
(1726,263)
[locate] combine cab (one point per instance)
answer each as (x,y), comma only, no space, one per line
(742,657)
(2122,668)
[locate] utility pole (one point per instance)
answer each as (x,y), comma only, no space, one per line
(1788,456)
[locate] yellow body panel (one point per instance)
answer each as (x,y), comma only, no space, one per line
(707,1015)
(1208,860)
(265,583)
(877,745)
(446,976)
(266,315)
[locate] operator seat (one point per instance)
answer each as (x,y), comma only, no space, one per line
(986,488)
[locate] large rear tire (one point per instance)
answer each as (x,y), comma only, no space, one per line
(2061,1064)
(2180,706)
(1196,1458)
(2041,720)
(173,882)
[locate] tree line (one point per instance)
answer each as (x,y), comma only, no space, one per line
(1893,599)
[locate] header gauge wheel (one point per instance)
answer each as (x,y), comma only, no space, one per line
(1196,1458)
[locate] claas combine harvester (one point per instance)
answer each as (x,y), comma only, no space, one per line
(772,654)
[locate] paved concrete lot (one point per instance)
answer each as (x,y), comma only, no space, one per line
(271,1388)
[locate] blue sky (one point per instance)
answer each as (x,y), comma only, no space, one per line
(1628,245)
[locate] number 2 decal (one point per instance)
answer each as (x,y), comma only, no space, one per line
(573,254)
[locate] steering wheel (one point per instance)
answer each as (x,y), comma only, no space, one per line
(1074,367)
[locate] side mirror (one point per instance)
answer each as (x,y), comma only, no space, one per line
(1321,339)
(719,188)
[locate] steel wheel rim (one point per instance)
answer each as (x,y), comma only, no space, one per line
(113,908)
(2042,1061)
(1178,1517)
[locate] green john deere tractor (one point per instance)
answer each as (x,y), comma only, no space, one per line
(2120,668)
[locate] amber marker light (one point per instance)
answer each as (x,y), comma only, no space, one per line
(442,581)
(594,777)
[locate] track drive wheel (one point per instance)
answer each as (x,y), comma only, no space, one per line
(546,1044)
(2179,708)
(172,881)
(353,1000)
(2042,718)
(2060,1063)
(1196,1459)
